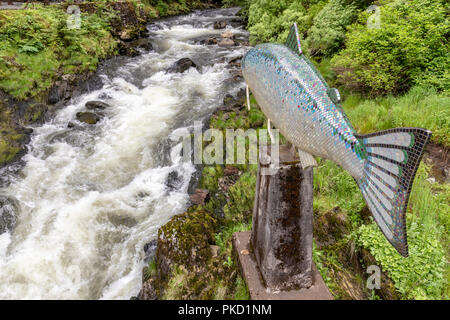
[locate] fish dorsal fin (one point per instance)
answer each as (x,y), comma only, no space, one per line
(293,40)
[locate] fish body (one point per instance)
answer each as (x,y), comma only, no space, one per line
(295,97)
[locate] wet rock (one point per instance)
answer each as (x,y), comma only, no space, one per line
(235,62)
(244,43)
(173,180)
(220,25)
(88,117)
(92,105)
(200,196)
(231,103)
(7,214)
(181,66)
(57,92)
(144,33)
(35,113)
(126,49)
(150,250)
(237,74)
(227,34)
(226,42)
(241,94)
(209,41)
(228,99)
(142,43)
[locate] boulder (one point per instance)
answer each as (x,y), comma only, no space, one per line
(220,25)
(181,66)
(200,196)
(8,214)
(185,240)
(226,42)
(57,92)
(127,35)
(228,99)
(88,117)
(227,34)
(150,249)
(174,180)
(126,49)
(209,41)
(142,43)
(235,62)
(92,105)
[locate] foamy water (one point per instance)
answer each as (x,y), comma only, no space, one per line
(90,197)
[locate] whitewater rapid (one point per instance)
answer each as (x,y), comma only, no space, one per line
(90,197)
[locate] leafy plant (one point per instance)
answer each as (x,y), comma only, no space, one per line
(409,48)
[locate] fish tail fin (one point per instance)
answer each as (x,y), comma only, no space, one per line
(392,158)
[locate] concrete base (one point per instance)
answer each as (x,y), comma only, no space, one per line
(251,275)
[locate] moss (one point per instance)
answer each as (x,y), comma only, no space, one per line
(7,152)
(184,240)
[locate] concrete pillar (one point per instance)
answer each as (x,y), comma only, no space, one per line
(281,238)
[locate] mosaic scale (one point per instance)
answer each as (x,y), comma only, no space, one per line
(298,102)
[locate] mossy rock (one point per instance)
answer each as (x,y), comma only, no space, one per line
(87,117)
(185,240)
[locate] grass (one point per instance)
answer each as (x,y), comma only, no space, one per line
(36,45)
(420,107)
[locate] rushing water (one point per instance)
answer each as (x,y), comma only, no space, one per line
(90,197)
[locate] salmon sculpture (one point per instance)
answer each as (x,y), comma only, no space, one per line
(297,100)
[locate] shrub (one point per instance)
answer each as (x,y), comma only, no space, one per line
(423,274)
(409,48)
(270,21)
(329,26)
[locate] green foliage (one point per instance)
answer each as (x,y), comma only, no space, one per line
(334,187)
(241,196)
(329,27)
(241,291)
(150,270)
(420,107)
(423,274)
(210,177)
(7,151)
(409,48)
(270,21)
(223,238)
(36,43)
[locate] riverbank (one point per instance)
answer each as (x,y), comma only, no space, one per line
(96,192)
(43,63)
